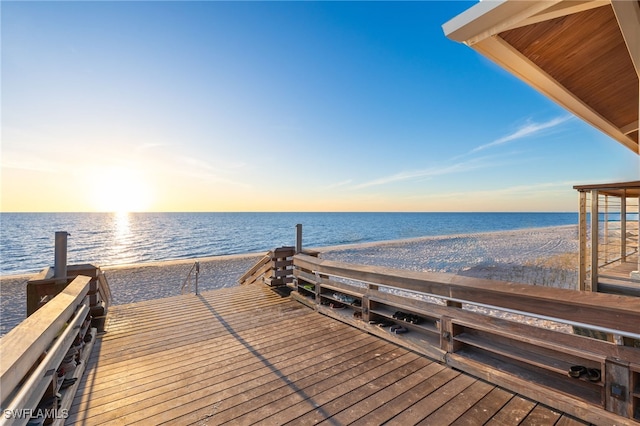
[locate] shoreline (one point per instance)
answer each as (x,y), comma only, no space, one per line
(369,244)
(320,249)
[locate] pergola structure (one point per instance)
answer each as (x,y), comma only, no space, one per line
(584,55)
(609,218)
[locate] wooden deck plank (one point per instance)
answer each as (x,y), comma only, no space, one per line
(407,398)
(353,412)
(459,404)
(231,372)
(567,420)
(198,367)
(315,396)
(484,409)
(338,398)
(430,403)
(267,384)
(244,355)
(308,374)
(204,349)
(513,412)
(541,415)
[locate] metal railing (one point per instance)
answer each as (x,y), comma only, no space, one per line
(186,285)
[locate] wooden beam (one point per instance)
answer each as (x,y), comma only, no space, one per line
(628,17)
(488,18)
(563,8)
(629,128)
(501,52)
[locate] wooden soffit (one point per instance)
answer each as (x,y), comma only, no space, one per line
(585,55)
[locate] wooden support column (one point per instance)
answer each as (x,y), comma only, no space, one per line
(605,233)
(448,330)
(593,285)
(636,274)
(623,226)
(582,241)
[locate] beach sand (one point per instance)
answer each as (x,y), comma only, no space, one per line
(540,256)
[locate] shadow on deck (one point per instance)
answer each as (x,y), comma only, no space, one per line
(246,355)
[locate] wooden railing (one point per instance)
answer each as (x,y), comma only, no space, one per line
(493,330)
(32,352)
(274,269)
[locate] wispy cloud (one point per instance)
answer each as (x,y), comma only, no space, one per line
(204,170)
(473,161)
(31,164)
(459,167)
(338,184)
(525,131)
(509,192)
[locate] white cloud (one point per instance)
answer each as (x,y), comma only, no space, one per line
(338,184)
(523,132)
(460,167)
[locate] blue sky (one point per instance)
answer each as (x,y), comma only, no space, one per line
(277,106)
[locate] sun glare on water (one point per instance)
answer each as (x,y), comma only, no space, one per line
(121,190)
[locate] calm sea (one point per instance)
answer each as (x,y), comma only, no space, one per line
(27,239)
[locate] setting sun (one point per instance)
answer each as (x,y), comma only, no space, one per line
(121,190)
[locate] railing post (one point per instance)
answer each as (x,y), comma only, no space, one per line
(60,261)
(197,273)
(298,238)
(623,226)
(593,284)
(582,241)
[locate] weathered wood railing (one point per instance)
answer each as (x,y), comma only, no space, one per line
(487,328)
(44,286)
(32,352)
(274,268)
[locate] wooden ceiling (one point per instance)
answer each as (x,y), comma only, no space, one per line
(575,52)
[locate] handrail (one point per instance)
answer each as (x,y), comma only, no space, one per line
(195,266)
(21,348)
(606,311)
(104,287)
(248,277)
(34,387)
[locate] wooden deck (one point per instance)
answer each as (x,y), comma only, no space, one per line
(245,355)
(615,279)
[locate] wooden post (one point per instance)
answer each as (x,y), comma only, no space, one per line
(605,239)
(618,390)
(623,226)
(594,241)
(582,241)
(298,238)
(637,273)
(60,260)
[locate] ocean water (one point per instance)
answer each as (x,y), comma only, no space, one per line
(27,240)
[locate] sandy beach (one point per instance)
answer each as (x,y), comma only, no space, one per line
(540,256)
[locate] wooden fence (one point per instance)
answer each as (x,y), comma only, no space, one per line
(274,269)
(497,331)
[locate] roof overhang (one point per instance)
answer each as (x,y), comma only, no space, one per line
(622,189)
(583,54)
